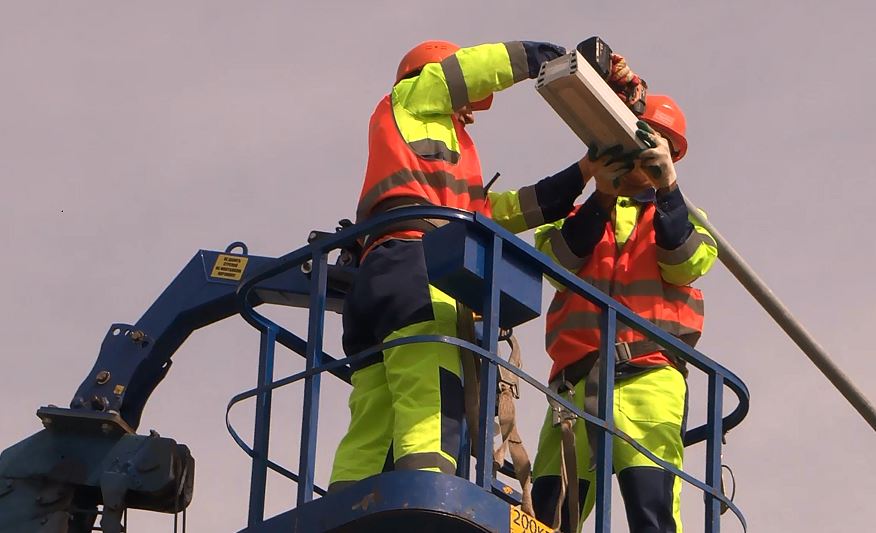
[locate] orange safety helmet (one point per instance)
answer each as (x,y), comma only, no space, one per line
(433,52)
(664,115)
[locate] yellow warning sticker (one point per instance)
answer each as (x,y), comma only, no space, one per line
(229,267)
(522,522)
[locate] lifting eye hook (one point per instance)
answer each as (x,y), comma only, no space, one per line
(244,250)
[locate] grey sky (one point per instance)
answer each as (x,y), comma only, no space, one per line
(132,135)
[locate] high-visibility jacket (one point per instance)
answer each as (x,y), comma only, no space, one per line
(417,149)
(633,274)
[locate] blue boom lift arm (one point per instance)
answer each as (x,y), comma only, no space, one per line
(89,454)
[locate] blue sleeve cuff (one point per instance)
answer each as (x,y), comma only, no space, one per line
(583,230)
(556,194)
(671,225)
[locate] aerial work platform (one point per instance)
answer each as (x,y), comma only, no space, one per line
(95,466)
(498,275)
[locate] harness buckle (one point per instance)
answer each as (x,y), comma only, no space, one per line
(509,386)
(560,412)
(622,352)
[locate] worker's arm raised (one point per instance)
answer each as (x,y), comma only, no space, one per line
(471,74)
(685,250)
(570,242)
(551,199)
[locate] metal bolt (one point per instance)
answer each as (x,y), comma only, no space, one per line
(102,377)
(99,403)
(106,428)
(307,266)
(312,236)
(137,336)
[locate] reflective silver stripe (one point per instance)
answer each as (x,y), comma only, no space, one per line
(552,335)
(476,192)
(433,149)
(684,252)
(455,82)
(557,303)
(434,180)
(658,289)
(532,214)
(419,461)
(589,320)
(564,255)
(582,320)
(651,288)
(642,287)
(602,284)
(519,66)
(708,239)
(674,294)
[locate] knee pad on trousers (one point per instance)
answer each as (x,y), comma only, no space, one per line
(648,499)
(546,492)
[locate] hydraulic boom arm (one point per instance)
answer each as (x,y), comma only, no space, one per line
(89,454)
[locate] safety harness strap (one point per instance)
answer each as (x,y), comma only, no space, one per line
(566,420)
(512,443)
(569,458)
(470,371)
(420,224)
(586,369)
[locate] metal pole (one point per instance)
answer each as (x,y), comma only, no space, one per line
(262,431)
(489,373)
(713,451)
(605,409)
(783,317)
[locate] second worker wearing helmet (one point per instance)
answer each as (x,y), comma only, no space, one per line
(634,240)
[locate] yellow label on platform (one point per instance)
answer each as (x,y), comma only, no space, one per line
(229,267)
(524,523)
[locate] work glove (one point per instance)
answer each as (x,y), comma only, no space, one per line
(628,86)
(539,52)
(656,161)
(606,168)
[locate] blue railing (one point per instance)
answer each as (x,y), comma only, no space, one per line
(496,240)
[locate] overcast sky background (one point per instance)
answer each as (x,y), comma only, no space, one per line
(133,134)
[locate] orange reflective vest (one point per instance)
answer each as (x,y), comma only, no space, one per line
(425,169)
(632,277)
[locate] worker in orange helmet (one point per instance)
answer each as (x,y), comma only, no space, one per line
(406,406)
(633,239)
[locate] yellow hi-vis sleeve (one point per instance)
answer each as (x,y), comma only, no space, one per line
(469,75)
(516,211)
(549,241)
(695,256)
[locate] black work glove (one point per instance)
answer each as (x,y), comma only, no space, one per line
(539,52)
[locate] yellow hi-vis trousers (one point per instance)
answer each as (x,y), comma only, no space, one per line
(406,411)
(649,407)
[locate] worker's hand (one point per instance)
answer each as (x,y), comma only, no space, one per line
(539,52)
(656,161)
(606,168)
(628,86)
